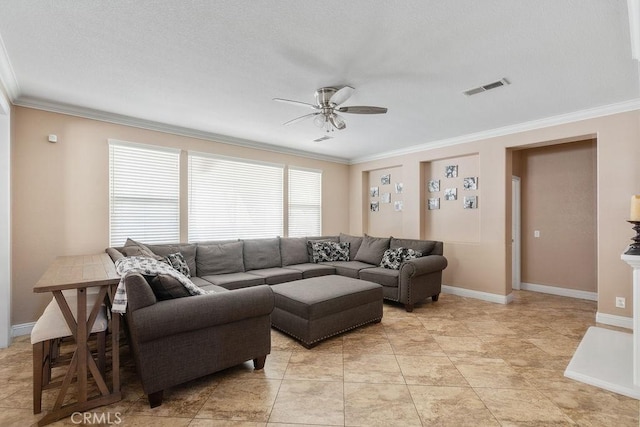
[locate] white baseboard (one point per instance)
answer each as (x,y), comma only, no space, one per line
(563,292)
(22,329)
(484,296)
(613,320)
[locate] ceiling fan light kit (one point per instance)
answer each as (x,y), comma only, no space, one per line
(327,106)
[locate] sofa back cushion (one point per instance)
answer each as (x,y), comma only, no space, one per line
(425,247)
(293,250)
(219,258)
(187,250)
(261,253)
(354,244)
(372,249)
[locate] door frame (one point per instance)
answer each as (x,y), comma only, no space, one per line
(516,234)
(5,222)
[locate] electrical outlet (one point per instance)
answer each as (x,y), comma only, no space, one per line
(620,302)
(536,233)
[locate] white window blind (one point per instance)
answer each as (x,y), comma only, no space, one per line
(144,194)
(231,199)
(305,202)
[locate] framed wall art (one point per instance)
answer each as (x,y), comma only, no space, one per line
(470,183)
(451,194)
(433,203)
(451,171)
(434,185)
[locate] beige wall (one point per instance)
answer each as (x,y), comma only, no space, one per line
(559,200)
(60,191)
(386,221)
(485,265)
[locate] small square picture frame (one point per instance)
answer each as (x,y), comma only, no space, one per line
(433,185)
(385,179)
(451,171)
(374,191)
(386,198)
(374,206)
(433,203)
(470,183)
(470,202)
(397,205)
(451,194)
(399,187)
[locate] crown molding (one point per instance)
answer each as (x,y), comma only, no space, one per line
(120,119)
(591,113)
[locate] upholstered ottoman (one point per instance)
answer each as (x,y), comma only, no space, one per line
(313,309)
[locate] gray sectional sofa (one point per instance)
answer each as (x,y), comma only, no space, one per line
(175,340)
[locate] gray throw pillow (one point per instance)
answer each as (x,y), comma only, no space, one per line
(261,253)
(372,249)
(219,259)
(133,248)
(166,287)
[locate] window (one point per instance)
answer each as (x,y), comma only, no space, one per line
(234,199)
(305,202)
(144,193)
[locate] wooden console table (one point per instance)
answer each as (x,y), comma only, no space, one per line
(80,273)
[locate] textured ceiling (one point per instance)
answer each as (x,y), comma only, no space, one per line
(214,66)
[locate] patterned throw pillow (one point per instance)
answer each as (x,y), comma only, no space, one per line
(330,251)
(393,258)
(178,262)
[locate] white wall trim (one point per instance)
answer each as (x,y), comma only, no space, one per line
(564,292)
(484,296)
(22,329)
(576,116)
(613,320)
(120,119)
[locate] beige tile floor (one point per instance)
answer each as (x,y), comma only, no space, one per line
(456,362)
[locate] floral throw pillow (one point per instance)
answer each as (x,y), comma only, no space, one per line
(330,251)
(178,262)
(393,258)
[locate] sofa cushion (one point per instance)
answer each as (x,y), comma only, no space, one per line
(329,251)
(188,251)
(178,262)
(222,258)
(425,247)
(372,249)
(354,244)
(234,280)
(261,253)
(277,275)
(393,258)
(349,268)
(293,250)
(133,248)
(167,287)
(311,269)
(383,276)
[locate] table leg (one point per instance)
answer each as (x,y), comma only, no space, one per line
(81,344)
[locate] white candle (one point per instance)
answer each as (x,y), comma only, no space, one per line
(635,208)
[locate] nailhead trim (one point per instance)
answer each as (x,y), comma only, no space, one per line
(326,336)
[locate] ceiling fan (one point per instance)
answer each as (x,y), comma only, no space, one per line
(327,107)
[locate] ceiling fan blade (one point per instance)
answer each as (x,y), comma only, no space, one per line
(342,95)
(362,109)
(289,101)
(297,119)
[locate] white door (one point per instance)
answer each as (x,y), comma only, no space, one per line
(515,232)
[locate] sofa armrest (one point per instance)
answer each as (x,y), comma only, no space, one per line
(423,265)
(186,314)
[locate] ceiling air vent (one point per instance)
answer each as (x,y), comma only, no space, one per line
(480,89)
(324,138)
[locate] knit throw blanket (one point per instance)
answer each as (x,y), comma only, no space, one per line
(148,267)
